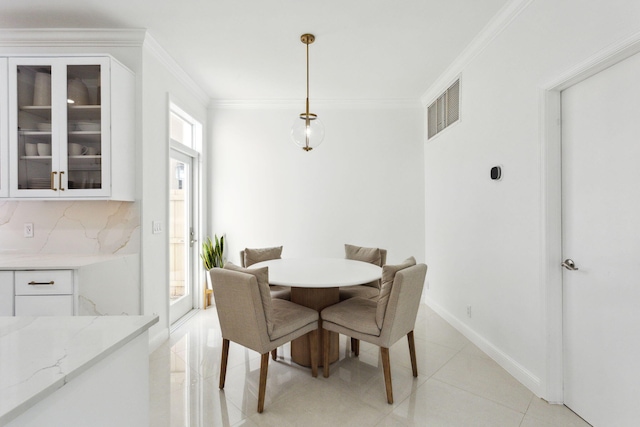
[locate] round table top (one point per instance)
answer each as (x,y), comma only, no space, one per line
(319,272)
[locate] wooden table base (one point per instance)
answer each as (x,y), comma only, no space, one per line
(316,298)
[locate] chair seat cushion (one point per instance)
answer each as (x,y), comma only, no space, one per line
(358,314)
(288,317)
(362,291)
(280,292)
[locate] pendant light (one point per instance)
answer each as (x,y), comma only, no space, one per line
(307,131)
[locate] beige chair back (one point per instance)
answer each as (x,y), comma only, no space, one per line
(240,309)
(383,260)
(404,301)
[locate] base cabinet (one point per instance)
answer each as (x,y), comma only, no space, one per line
(44,305)
(44,293)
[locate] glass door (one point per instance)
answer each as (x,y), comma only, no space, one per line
(181,235)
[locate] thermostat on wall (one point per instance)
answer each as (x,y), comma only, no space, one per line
(496,173)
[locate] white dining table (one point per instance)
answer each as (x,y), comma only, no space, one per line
(315,283)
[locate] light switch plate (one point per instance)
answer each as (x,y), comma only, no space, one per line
(157,227)
(28,229)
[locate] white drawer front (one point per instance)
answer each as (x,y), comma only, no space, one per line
(44,282)
(44,305)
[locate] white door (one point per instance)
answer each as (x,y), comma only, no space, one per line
(181,235)
(601,234)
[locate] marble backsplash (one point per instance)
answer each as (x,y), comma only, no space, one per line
(62,227)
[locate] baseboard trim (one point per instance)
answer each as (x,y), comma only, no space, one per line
(519,372)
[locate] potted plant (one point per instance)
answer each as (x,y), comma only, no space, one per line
(212,257)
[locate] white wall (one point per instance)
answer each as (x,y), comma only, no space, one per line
(363,185)
(160,84)
(483,238)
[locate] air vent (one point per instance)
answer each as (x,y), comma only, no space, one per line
(445,110)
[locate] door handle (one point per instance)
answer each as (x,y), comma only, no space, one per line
(569,264)
(192,238)
(53,181)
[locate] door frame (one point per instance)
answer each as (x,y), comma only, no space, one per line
(551,203)
(198,222)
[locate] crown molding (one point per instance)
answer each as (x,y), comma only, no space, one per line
(496,26)
(287,104)
(70,37)
(175,69)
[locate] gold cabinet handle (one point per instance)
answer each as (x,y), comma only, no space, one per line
(41,283)
(60,181)
(53,181)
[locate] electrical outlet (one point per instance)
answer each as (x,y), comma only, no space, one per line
(157,227)
(28,229)
(468,311)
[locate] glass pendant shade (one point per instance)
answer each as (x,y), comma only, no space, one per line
(307,134)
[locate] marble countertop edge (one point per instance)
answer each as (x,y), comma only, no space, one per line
(7,415)
(22,261)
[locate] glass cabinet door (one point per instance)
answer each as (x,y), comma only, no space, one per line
(35,170)
(4,130)
(84,127)
(57,125)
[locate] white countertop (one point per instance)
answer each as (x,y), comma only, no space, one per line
(12,261)
(38,355)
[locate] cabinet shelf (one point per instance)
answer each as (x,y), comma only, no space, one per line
(42,111)
(73,160)
(84,112)
(74,112)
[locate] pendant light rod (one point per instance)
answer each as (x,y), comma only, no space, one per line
(308,131)
(307,39)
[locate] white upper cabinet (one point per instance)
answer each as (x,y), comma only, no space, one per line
(71,128)
(4,131)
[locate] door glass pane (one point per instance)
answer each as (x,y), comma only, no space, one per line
(179,229)
(84,127)
(34,127)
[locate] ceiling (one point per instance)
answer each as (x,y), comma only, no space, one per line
(251,49)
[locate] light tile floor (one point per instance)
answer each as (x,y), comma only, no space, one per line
(457,385)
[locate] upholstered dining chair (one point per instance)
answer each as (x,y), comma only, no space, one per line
(375,256)
(249,317)
(381,322)
(248,257)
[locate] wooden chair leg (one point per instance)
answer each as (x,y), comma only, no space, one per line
(355,346)
(313,348)
(325,355)
(412,353)
(264,367)
(386,367)
(223,362)
(274,353)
